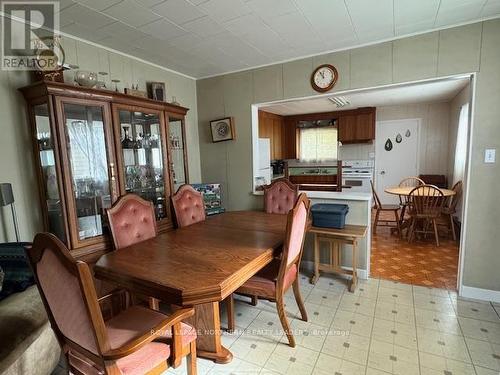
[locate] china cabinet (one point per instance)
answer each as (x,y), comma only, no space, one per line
(92,146)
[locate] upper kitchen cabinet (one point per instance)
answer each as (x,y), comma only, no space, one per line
(357,126)
(92,146)
(272,126)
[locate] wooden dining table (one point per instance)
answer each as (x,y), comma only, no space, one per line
(198,266)
(406,190)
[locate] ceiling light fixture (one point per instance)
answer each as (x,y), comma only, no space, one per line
(339,101)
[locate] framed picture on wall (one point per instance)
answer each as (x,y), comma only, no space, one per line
(157,91)
(222,129)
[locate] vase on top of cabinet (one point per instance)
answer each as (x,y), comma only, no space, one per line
(92,146)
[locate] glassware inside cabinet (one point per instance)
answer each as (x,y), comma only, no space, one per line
(176,139)
(86,137)
(143,158)
(46,151)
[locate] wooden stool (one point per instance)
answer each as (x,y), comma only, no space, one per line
(336,237)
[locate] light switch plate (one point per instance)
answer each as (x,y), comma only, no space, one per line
(489,155)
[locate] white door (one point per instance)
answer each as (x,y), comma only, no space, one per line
(396,154)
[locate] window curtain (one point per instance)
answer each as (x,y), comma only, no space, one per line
(461,150)
(318,144)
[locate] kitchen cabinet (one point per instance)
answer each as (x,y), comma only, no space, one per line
(357,126)
(272,126)
(92,146)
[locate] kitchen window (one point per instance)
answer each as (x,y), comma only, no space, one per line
(318,143)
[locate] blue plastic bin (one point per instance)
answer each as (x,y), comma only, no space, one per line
(329,215)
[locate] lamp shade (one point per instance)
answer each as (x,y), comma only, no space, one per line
(6,196)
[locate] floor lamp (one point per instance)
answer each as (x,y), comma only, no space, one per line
(6,199)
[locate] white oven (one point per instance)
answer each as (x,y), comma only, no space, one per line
(356,175)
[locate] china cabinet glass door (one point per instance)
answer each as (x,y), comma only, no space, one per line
(178,161)
(49,174)
(142,158)
(88,138)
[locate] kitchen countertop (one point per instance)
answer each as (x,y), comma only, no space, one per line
(339,195)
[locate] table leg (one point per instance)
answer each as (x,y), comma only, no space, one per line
(354,281)
(315,277)
(207,322)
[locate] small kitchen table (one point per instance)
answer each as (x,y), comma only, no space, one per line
(336,237)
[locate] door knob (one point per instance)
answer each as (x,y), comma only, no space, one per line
(382,172)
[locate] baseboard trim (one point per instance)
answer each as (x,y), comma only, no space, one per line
(308,265)
(482,294)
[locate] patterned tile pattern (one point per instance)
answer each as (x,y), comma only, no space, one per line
(383,328)
(419,263)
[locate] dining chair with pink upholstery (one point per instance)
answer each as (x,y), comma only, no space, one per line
(280,196)
(272,282)
(188,206)
(137,340)
(132,220)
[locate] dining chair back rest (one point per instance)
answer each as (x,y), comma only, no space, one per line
(188,206)
(409,182)
(132,220)
(457,188)
(427,200)
(68,293)
(296,229)
(376,199)
(280,196)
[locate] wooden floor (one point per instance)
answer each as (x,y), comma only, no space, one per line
(418,263)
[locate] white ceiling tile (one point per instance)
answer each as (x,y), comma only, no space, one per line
(295,30)
(178,11)
(131,13)
(267,41)
(225,10)
(83,32)
(237,48)
(65,3)
(123,32)
(329,18)
(455,11)
(203,27)
(270,9)
(98,4)
(491,8)
(149,3)
(185,42)
(372,22)
(162,29)
(77,13)
(411,16)
(244,25)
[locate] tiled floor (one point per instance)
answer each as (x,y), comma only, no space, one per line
(419,263)
(383,328)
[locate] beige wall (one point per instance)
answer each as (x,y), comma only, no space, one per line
(433,147)
(16,164)
(470,48)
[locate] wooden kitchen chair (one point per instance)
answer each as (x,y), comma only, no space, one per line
(136,341)
(272,282)
(426,204)
(380,208)
(132,220)
(451,208)
(404,200)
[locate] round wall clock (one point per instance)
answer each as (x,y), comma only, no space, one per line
(324,77)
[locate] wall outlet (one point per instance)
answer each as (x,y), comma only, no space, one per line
(371,155)
(489,155)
